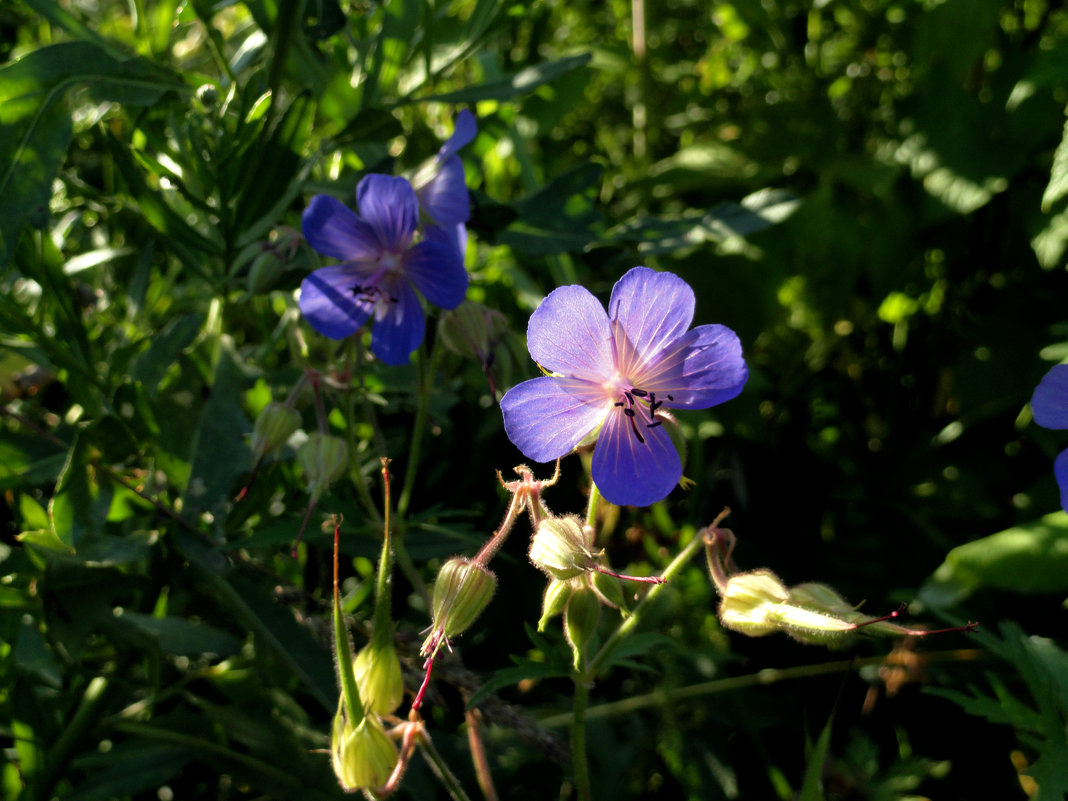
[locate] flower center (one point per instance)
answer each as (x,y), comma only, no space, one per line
(372,289)
(640,406)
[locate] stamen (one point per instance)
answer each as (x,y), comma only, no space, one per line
(634,428)
(641,393)
(628,412)
(618,403)
(654,424)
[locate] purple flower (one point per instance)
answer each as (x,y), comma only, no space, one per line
(613,373)
(380,267)
(441,187)
(1049,405)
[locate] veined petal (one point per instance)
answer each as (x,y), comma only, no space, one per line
(629,472)
(546,420)
(654,309)
(437,269)
(702,368)
(1060,470)
(1049,404)
(334,230)
(328,303)
(444,197)
(568,333)
(399,325)
(463,132)
(389,206)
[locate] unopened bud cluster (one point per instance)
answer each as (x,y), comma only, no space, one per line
(362,753)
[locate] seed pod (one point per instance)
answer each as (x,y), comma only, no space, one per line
(462,590)
(274,426)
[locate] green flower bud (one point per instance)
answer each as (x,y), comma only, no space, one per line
(608,589)
(462,590)
(264,273)
(362,754)
(378,676)
(563,548)
(580,620)
(557,594)
(472,330)
(323,459)
(273,427)
(751,603)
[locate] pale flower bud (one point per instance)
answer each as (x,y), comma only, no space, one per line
(751,602)
(275,424)
(378,677)
(563,548)
(462,590)
(362,754)
(580,620)
(323,458)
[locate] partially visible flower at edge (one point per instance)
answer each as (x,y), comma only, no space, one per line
(1049,406)
(380,267)
(613,373)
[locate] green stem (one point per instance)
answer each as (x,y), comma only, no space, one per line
(441,770)
(579,763)
(762,678)
(426,365)
(591,509)
(383,630)
(350,693)
(634,618)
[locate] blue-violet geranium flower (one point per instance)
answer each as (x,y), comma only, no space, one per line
(441,187)
(380,267)
(1049,406)
(613,374)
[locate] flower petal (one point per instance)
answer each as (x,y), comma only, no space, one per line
(444,197)
(334,230)
(1060,470)
(568,333)
(1049,404)
(328,303)
(437,269)
(399,325)
(654,309)
(546,418)
(463,132)
(702,368)
(629,472)
(389,206)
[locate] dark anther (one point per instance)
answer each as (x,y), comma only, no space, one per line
(655,405)
(670,398)
(628,412)
(618,403)
(630,400)
(654,424)
(634,428)
(641,393)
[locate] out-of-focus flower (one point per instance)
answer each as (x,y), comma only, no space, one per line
(613,374)
(1049,405)
(441,186)
(380,268)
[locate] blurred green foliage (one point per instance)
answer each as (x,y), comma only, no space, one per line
(873,193)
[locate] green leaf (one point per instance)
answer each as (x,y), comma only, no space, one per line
(1026,559)
(129,769)
(1057,187)
(35,124)
(812,786)
(69,509)
(152,365)
(220,454)
(521,83)
(514,675)
(181,637)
